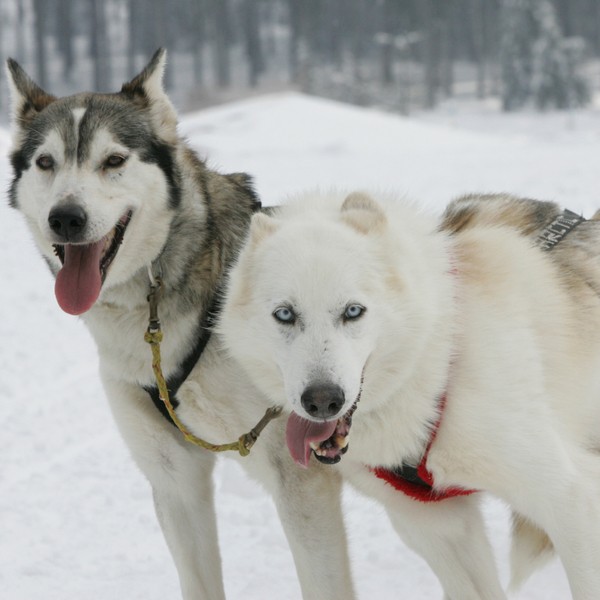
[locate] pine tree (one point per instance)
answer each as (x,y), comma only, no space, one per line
(538,64)
(556,82)
(516,53)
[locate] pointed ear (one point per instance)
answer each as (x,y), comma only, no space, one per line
(27,98)
(261,227)
(147,90)
(362,213)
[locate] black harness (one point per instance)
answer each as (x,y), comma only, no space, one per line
(174,382)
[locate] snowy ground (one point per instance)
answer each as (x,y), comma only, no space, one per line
(76,519)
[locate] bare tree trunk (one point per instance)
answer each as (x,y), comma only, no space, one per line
(222,43)
(478,29)
(198,16)
(39,8)
(65,36)
(253,44)
(430,51)
(99,48)
(132,46)
(295,25)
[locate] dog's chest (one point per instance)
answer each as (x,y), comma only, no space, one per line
(122,350)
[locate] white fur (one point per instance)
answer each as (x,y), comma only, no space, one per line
(484,316)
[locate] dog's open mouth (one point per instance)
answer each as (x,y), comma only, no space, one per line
(328,440)
(84,269)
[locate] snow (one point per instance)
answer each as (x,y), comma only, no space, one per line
(76,516)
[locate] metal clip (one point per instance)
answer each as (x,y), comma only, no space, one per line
(153,298)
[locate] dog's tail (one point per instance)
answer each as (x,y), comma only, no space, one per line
(530,550)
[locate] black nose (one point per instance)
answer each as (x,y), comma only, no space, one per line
(322,400)
(68,221)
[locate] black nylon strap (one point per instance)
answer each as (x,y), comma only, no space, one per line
(175,381)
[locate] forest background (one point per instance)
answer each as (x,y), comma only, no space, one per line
(397,55)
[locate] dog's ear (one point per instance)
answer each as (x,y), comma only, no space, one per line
(261,227)
(27,97)
(362,213)
(146,89)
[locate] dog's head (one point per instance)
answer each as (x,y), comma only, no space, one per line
(309,300)
(95,177)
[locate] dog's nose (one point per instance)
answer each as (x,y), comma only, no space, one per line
(67,221)
(322,400)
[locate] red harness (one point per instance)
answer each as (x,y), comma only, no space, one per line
(417,483)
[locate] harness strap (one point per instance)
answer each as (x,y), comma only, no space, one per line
(417,482)
(175,381)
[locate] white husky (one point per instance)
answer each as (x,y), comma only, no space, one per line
(468,355)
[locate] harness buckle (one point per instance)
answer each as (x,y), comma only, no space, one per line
(153,298)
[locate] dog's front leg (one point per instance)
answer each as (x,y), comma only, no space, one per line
(308,502)
(185,509)
(449,535)
(181,478)
(309,506)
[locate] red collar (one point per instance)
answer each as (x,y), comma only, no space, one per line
(417,482)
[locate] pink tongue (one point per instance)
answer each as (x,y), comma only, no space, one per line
(78,283)
(301,432)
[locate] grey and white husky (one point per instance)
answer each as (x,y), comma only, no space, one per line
(114,197)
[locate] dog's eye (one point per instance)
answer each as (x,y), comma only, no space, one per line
(285,315)
(114,161)
(354,311)
(44,162)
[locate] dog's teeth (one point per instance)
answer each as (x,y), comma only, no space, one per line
(314,446)
(341,441)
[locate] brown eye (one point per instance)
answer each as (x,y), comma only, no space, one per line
(114,161)
(44,162)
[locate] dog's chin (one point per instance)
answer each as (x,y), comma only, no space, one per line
(84,268)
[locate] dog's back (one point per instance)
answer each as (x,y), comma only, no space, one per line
(578,253)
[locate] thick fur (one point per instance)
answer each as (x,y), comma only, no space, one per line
(468,306)
(109,154)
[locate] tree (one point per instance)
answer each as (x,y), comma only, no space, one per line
(516,52)
(431,27)
(99,47)
(254,53)
(40,16)
(556,81)
(222,32)
(64,35)
(538,63)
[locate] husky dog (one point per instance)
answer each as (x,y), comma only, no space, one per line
(114,197)
(468,351)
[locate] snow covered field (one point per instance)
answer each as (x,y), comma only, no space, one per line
(76,517)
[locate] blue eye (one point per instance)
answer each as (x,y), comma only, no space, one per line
(354,311)
(285,315)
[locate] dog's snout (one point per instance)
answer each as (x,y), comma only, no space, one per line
(322,400)
(68,221)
